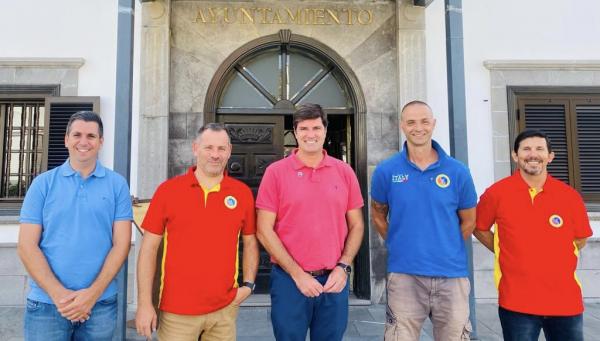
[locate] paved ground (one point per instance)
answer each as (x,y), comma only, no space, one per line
(365,323)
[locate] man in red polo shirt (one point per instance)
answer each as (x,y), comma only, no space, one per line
(310,221)
(540,224)
(200,216)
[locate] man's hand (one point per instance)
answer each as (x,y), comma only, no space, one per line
(145,320)
(336,282)
(77,305)
(242,294)
(308,285)
(63,297)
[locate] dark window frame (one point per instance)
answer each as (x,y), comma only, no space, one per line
(11,207)
(48,95)
(571,96)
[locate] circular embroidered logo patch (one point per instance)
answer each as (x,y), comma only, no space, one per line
(556,220)
(442,181)
(230,202)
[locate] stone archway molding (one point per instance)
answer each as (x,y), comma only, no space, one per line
(285,36)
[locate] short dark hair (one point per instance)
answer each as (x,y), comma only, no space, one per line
(213,127)
(86,116)
(309,111)
(415,102)
(527,133)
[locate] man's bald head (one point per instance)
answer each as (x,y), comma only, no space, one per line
(411,104)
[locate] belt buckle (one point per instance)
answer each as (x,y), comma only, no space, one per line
(317,273)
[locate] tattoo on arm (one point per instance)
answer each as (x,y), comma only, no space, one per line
(381,208)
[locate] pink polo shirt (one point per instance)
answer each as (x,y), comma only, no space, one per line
(311,205)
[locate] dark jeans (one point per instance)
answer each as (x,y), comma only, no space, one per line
(293,314)
(526,327)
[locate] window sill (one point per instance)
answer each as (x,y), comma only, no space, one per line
(8,218)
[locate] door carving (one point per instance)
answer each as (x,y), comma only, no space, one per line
(257,142)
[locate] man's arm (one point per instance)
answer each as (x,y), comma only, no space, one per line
(37,265)
(486,238)
(356,229)
(467,221)
(82,301)
(145,317)
(250,266)
(379,215)
(580,243)
(265,222)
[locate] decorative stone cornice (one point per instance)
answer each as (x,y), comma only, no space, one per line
(568,65)
(49,63)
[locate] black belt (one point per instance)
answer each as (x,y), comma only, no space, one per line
(317,273)
(314,273)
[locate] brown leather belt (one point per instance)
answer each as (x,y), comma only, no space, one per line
(317,273)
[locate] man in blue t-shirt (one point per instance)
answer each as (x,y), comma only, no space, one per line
(423,205)
(75,235)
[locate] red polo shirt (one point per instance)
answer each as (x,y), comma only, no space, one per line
(535,254)
(201,241)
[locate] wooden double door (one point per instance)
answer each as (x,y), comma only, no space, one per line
(257,142)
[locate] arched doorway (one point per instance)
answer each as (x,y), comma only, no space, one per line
(255,92)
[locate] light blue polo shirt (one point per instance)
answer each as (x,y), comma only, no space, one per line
(424,236)
(77,217)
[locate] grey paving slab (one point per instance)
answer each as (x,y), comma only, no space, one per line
(369,328)
(11,323)
(487,315)
(377,312)
(591,326)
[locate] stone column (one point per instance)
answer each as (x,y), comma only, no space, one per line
(410,39)
(154,97)
(412,78)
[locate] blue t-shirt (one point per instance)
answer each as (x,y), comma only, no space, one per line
(424,236)
(77,217)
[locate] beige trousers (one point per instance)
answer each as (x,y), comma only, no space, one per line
(411,299)
(216,326)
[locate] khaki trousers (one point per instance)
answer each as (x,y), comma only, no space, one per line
(411,299)
(216,326)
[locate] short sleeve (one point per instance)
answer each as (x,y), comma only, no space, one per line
(156,218)
(124,210)
(249,215)
(486,211)
(268,192)
(581,220)
(379,189)
(33,204)
(468,195)
(355,199)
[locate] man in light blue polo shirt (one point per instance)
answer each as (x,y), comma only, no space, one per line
(430,201)
(75,235)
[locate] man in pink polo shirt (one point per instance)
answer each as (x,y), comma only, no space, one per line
(310,221)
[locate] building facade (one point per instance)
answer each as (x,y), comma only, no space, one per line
(249,63)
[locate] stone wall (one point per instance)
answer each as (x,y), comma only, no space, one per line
(14,285)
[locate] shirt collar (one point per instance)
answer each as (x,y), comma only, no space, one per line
(67,170)
(436,146)
(297,164)
(518,178)
(190,178)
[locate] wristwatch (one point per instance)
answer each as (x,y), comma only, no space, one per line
(347,268)
(250,285)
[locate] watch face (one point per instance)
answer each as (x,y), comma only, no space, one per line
(347,268)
